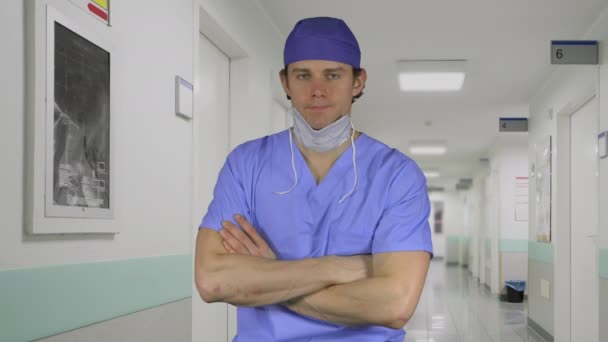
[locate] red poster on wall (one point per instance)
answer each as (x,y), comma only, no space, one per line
(100,9)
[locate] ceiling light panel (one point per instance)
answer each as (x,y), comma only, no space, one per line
(442,75)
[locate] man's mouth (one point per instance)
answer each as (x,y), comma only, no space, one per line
(318,107)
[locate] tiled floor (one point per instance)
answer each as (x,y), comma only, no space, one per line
(455,308)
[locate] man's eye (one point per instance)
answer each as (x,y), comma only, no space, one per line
(333,76)
(303,76)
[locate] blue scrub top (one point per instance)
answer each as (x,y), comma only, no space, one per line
(387,212)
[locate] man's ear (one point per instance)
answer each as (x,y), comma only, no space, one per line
(359,82)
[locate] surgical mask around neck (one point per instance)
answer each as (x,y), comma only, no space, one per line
(293,164)
(322,140)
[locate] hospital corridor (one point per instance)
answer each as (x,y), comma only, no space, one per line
(454,307)
(304,171)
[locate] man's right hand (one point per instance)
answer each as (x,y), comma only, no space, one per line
(247,241)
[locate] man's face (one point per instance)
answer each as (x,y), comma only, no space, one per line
(322,91)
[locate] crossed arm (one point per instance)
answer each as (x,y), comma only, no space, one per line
(238,267)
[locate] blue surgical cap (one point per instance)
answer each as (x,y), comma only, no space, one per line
(322,38)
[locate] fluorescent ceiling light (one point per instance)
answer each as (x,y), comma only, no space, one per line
(431,81)
(428,150)
(431,75)
(431,173)
(427,147)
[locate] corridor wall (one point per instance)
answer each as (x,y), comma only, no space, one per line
(449,241)
(55,283)
(97,287)
(502,246)
(256,99)
(562,86)
(509,157)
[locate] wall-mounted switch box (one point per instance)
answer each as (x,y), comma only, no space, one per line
(544,288)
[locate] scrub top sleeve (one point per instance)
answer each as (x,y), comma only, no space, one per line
(404,225)
(228,197)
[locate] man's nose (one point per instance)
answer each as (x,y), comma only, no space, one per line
(319,87)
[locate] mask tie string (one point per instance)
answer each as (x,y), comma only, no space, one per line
(352,142)
(293,167)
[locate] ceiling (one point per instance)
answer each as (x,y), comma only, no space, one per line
(506,44)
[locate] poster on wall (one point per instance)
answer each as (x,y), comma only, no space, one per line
(542,174)
(521,199)
(78,164)
(99,9)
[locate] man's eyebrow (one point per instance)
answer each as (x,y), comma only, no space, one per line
(338,69)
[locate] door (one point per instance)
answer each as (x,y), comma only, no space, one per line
(280,120)
(584,223)
(436,219)
(210,321)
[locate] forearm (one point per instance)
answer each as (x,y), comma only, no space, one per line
(244,280)
(371,301)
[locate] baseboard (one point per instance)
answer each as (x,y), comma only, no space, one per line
(451,263)
(539,330)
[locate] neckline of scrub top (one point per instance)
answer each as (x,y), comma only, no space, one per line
(345,158)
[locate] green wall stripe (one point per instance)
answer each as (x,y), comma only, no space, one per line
(604,263)
(458,238)
(540,251)
(453,238)
(513,246)
(40,302)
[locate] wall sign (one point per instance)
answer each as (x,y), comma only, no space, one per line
(513,125)
(574,52)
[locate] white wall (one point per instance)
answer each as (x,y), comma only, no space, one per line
(153,146)
(475,217)
(466,214)
(452,220)
(490,213)
(255,49)
(510,158)
(565,86)
(254,78)
(600,31)
(490,229)
(152,150)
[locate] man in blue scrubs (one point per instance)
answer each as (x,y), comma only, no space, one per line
(319,232)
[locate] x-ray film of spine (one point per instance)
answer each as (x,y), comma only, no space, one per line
(81,158)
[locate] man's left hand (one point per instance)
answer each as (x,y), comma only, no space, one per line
(244,241)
